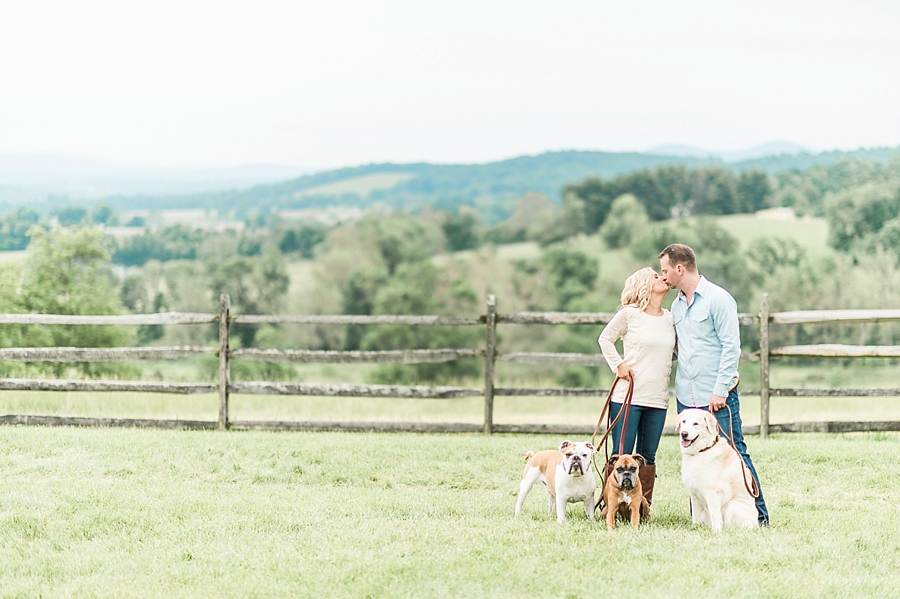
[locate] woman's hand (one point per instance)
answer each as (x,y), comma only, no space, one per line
(624,371)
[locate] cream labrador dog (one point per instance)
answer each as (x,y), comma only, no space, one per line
(714,474)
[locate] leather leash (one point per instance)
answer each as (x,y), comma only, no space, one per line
(753,487)
(611,422)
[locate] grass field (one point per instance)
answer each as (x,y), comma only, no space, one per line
(137,513)
(361,186)
(153,513)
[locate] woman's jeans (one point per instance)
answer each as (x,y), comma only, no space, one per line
(645,425)
(722,414)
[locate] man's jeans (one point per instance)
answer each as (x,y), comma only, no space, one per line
(644,424)
(733,402)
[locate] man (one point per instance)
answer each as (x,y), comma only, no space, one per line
(709,348)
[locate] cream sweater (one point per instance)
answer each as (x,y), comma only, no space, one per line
(648,342)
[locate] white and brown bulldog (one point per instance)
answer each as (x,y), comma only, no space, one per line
(714,474)
(622,491)
(566,473)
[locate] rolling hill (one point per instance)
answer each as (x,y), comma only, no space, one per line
(491,187)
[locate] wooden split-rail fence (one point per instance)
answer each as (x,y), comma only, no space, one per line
(490,354)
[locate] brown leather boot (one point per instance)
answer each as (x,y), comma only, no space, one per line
(647,474)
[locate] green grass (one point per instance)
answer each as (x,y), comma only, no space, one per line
(810,233)
(134,513)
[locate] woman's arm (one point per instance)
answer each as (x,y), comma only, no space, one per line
(615,329)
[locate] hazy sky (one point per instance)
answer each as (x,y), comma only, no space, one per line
(335,83)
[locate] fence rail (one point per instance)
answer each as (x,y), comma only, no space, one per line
(490,354)
(100,354)
(407,356)
(161,318)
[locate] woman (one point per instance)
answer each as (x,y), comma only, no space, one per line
(647,331)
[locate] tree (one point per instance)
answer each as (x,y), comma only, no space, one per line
(626,219)
(753,191)
(461,230)
(658,189)
(530,210)
(594,198)
(176,242)
(70,215)
(302,241)
(400,238)
(719,192)
(572,273)
(856,213)
(68,272)
(422,288)
(103,214)
(773,253)
(887,238)
(573,219)
(358,297)
(14,228)
(257,285)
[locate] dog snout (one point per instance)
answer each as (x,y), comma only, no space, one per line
(684,434)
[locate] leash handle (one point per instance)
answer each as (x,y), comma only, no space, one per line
(607,413)
(626,407)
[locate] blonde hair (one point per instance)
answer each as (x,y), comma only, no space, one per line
(637,289)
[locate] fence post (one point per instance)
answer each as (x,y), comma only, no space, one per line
(764,366)
(224,364)
(490,344)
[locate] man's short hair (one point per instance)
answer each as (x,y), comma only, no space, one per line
(679,253)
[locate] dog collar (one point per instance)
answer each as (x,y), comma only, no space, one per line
(716,440)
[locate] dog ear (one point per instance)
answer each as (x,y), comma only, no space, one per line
(565,444)
(711,424)
(612,459)
(591,447)
(639,459)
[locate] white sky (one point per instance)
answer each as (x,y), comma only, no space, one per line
(339,83)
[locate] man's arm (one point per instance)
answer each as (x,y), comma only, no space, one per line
(723,311)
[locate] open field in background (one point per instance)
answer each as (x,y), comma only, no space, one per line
(361,186)
(7,256)
(301,273)
(142,513)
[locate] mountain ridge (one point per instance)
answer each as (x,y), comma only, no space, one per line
(491,187)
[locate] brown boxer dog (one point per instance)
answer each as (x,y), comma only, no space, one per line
(622,491)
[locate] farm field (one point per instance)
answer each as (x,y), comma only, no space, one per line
(141,513)
(362,185)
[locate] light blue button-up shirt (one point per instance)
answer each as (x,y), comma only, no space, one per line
(709,344)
